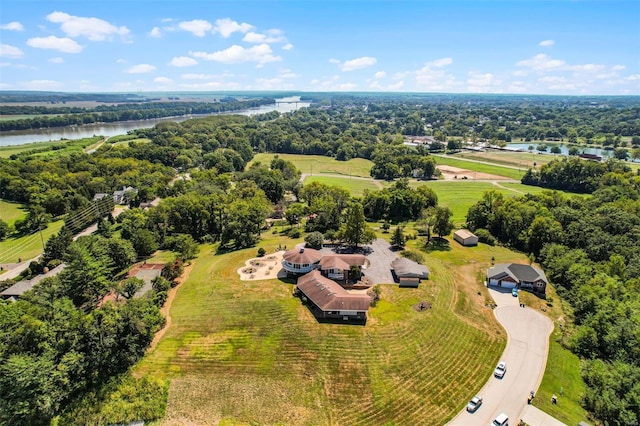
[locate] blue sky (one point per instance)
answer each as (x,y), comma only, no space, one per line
(535,47)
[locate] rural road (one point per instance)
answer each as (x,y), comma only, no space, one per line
(526,356)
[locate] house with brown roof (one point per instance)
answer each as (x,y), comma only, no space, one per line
(328,300)
(335,266)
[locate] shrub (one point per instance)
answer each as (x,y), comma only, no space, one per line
(294,233)
(413,255)
(261,252)
(485,237)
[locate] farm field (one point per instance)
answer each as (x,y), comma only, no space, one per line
(51,148)
(319,164)
(355,186)
(10,212)
(455,161)
(522,160)
(249,352)
(21,117)
(28,246)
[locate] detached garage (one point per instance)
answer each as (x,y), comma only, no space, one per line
(409,273)
(465,237)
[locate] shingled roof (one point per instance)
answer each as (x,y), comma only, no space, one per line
(302,256)
(343,261)
(518,272)
(407,268)
(328,295)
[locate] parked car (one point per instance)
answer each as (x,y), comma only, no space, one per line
(500,370)
(514,292)
(501,420)
(474,404)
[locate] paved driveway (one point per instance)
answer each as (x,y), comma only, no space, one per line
(526,356)
(380,259)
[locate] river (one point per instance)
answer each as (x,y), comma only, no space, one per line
(22,137)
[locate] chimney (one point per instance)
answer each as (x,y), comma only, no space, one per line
(302,250)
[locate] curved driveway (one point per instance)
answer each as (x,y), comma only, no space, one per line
(526,356)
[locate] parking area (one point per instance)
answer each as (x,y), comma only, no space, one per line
(380,260)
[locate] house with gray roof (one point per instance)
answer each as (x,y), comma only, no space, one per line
(516,275)
(408,272)
(18,289)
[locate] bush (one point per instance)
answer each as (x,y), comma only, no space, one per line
(413,255)
(485,236)
(314,240)
(261,252)
(294,233)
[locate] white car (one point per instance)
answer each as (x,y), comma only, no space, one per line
(474,404)
(500,370)
(501,420)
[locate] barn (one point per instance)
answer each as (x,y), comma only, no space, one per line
(465,237)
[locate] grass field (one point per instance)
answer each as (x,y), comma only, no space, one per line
(456,161)
(22,117)
(10,212)
(248,352)
(27,247)
(318,164)
(355,186)
(51,148)
(523,160)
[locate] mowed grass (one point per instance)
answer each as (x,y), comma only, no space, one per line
(10,212)
(48,149)
(28,246)
(562,378)
(355,187)
(456,161)
(523,160)
(248,352)
(318,164)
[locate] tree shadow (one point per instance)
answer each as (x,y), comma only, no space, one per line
(437,244)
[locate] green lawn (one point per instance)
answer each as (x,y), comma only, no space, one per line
(456,161)
(562,378)
(28,246)
(318,164)
(248,352)
(10,212)
(355,186)
(47,149)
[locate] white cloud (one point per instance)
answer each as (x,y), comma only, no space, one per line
(261,54)
(483,83)
(155,32)
(380,74)
(162,80)
(12,26)
(396,86)
(287,46)
(41,84)
(358,63)
(287,73)
(401,75)
(121,61)
(5,86)
(94,29)
(211,85)
(542,62)
(432,76)
(272,84)
(587,68)
(56,60)
(225,27)
(633,77)
(439,63)
(520,73)
(618,68)
(140,69)
(183,61)
(8,51)
(197,27)
(62,44)
(334,61)
(270,36)
(546,43)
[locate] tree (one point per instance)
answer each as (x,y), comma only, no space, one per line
(442,222)
(57,245)
(621,154)
(129,287)
(314,240)
(294,213)
(355,230)
(398,239)
(4,230)
(144,242)
(184,244)
(556,149)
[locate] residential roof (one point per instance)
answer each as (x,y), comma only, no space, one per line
(19,288)
(464,234)
(329,295)
(517,271)
(407,268)
(302,256)
(342,261)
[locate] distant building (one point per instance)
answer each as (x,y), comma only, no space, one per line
(18,289)
(99,196)
(465,237)
(125,195)
(592,157)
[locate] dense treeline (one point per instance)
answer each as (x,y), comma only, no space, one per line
(61,340)
(123,112)
(589,249)
(573,174)
(55,97)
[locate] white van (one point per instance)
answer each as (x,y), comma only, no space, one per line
(501,420)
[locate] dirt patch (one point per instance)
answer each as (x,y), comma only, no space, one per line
(263,268)
(421,306)
(456,173)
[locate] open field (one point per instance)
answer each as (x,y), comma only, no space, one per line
(21,117)
(249,352)
(51,148)
(522,160)
(456,161)
(318,164)
(10,212)
(355,186)
(28,246)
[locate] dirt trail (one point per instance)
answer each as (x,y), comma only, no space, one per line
(167,307)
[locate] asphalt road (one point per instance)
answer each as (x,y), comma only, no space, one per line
(526,356)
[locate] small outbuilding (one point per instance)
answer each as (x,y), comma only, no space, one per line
(465,237)
(409,273)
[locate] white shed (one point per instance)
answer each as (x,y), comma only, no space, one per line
(465,237)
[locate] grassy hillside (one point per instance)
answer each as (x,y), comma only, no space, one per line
(28,246)
(10,212)
(318,164)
